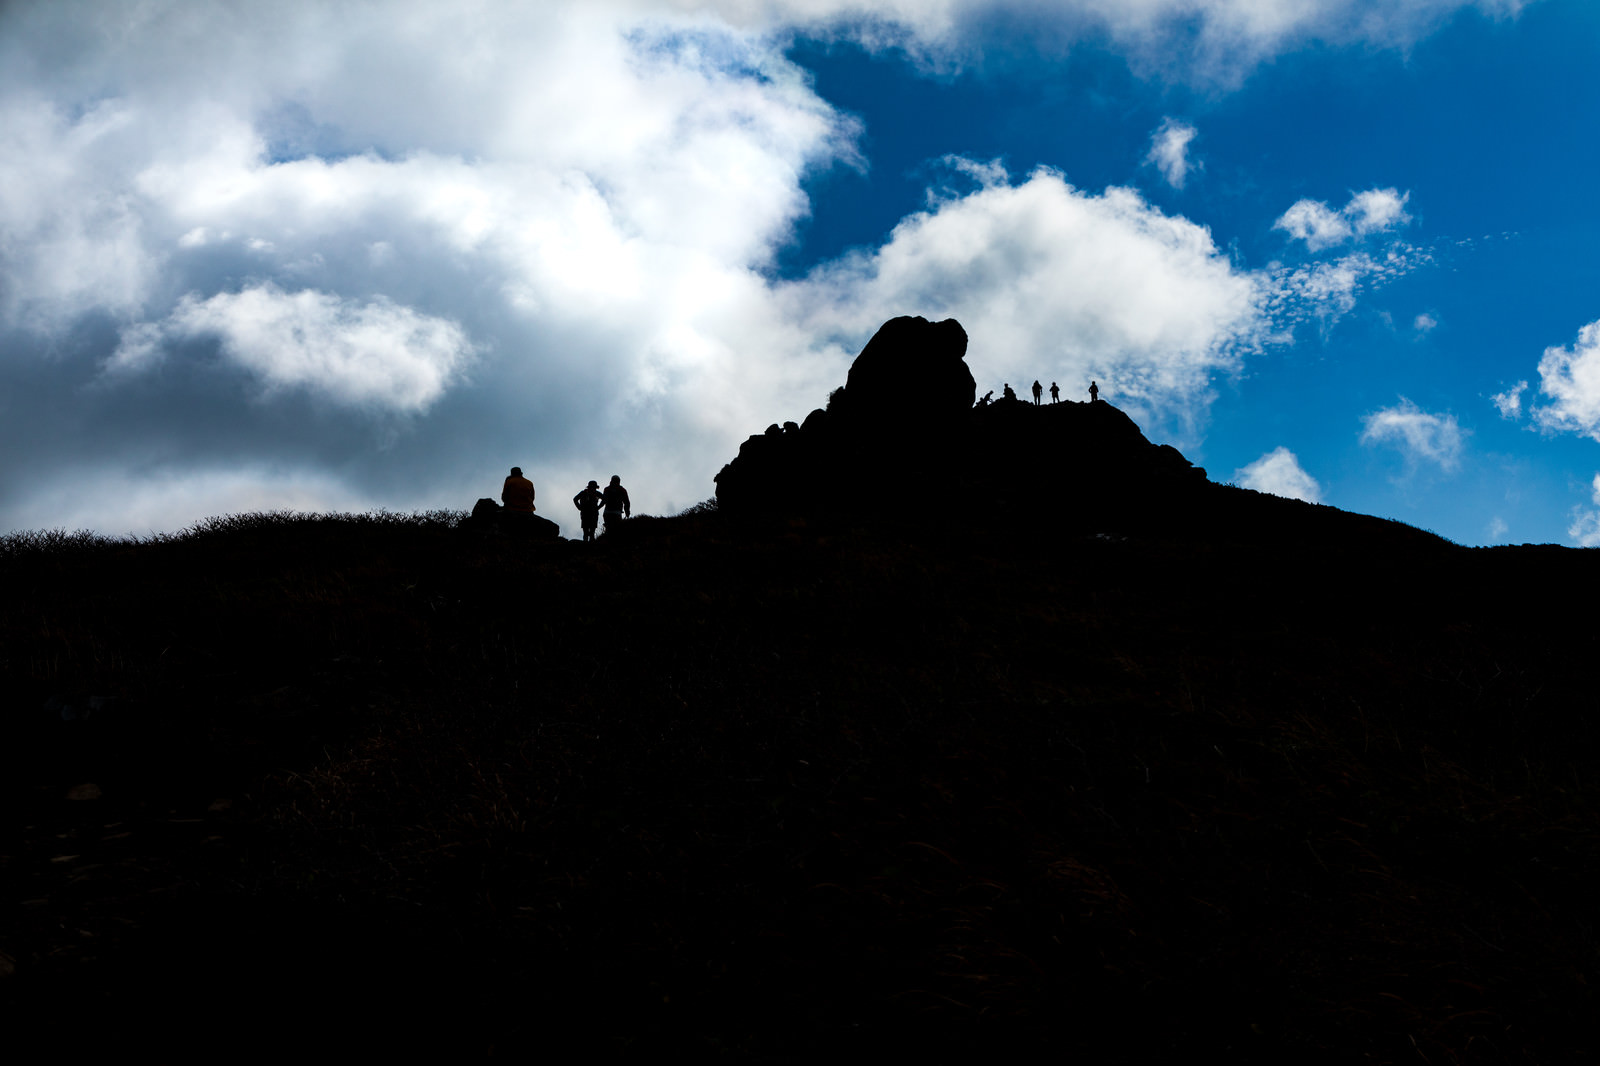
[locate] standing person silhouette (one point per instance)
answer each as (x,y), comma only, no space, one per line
(1038,391)
(1094,392)
(588,504)
(517,495)
(617,505)
(1055,393)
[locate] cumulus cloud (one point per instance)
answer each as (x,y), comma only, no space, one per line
(1373,211)
(1419,435)
(1169,151)
(1315,223)
(1569,378)
(1279,472)
(1424,323)
(354,353)
(333,203)
(347,208)
(1048,279)
(1509,403)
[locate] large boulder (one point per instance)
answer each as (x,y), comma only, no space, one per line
(486,514)
(911,371)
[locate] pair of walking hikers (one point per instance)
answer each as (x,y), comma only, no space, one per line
(613,498)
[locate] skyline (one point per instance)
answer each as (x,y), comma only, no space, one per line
(347,257)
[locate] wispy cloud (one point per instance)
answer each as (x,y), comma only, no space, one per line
(1509,403)
(1324,291)
(1169,151)
(1585,527)
(1419,435)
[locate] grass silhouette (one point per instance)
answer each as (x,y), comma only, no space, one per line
(763,787)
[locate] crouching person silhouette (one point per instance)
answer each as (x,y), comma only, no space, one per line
(588,503)
(517,495)
(618,506)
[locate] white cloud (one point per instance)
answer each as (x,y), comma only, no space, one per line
(591,196)
(1315,223)
(1216,41)
(1425,323)
(372,352)
(1496,530)
(1324,291)
(1279,473)
(1052,281)
(1373,211)
(1509,403)
(1377,210)
(1570,379)
(1585,527)
(1169,151)
(1418,434)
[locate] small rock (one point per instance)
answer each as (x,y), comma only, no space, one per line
(86,791)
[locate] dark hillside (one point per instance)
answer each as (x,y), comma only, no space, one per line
(1266,781)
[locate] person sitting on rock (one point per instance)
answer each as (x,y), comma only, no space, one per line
(1094,392)
(1038,391)
(617,505)
(1055,393)
(517,495)
(1007,393)
(588,504)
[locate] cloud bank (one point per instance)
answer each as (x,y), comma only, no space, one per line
(386,251)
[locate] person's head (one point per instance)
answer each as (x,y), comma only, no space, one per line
(616,479)
(516,471)
(594,484)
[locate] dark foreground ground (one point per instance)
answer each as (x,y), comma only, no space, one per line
(780,790)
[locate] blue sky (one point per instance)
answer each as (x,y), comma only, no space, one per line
(350,256)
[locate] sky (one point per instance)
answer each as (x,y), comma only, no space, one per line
(347,256)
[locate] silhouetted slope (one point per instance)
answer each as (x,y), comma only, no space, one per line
(781,787)
(904,428)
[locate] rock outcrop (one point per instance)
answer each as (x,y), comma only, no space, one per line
(487,514)
(905,422)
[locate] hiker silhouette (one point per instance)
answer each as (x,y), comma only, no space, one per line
(1038,391)
(588,501)
(517,495)
(617,504)
(1094,392)
(1055,393)
(987,399)
(1007,393)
